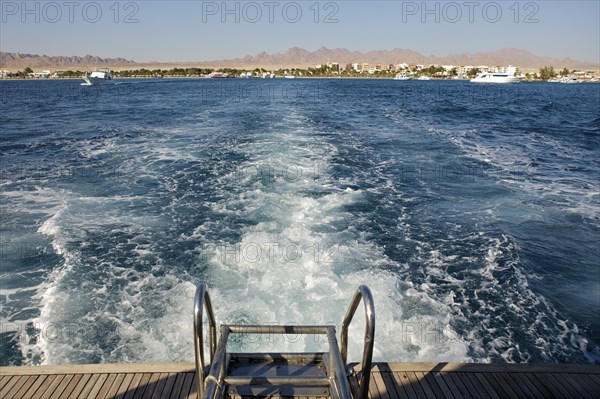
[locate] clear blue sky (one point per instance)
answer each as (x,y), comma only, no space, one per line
(203,30)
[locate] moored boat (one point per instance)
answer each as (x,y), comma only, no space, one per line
(97,77)
(219,75)
(496,77)
(402,76)
(570,80)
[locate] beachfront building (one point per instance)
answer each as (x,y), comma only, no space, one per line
(40,75)
(511,70)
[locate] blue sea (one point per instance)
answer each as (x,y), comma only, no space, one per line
(471,211)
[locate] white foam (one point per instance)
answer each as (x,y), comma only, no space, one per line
(316,287)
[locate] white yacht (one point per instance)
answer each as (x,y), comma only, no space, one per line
(219,75)
(496,77)
(402,76)
(423,77)
(570,79)
(97,77)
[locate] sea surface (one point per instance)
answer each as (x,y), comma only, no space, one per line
(471,211)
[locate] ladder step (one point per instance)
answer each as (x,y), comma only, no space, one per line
(276,329)
(282,391)
(276,381)
(289,357)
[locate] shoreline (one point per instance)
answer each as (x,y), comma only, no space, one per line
(15,79)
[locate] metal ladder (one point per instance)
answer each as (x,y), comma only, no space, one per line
(320,374)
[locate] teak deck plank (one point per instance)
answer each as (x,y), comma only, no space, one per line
(557,389)
(475,387)
(66,393)
(595,378)
(543,385)
(460,389)
(427,388)
(150,387)
(34,387)
(160,386)
(94,392)
(80,385)
(388,381)
(137,386)
(125,385)
(49,391)
(177,386)
(579,386)
(498,387)
(589,382)
(24,387)
(103,393)
(487,386)
(89,385)
(447,392)
(377,380)
(10,384)
(505,386)
(188,386)
(432,382)
(39,392)
(404,382)
(451,385)
(166,394)
(394,390)
(526,386)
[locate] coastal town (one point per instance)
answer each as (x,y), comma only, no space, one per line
(400,71)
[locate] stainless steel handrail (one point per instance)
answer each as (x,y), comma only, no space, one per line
(338,369)
(338,361)
(217,368)
(363,293)
(201,301)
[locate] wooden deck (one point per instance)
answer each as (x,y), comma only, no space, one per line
(388,381)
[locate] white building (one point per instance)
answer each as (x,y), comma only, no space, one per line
(41,75)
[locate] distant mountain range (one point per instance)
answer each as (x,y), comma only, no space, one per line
(298,57)
(302,58)
(34,61)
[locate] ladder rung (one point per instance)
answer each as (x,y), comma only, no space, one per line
(266,329)
(302,381)
(289,357)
